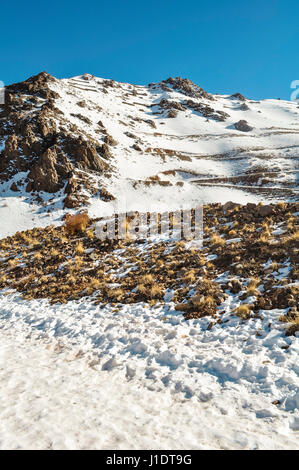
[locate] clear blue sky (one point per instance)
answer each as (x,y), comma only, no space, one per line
(251,46)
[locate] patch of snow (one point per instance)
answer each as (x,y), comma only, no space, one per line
(227,374)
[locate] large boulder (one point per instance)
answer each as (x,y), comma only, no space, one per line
(264,211)
(230,205)
(243,126)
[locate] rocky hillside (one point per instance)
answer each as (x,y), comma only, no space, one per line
(87,141)
(62,264)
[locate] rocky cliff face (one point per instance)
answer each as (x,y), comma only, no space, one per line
(34,143)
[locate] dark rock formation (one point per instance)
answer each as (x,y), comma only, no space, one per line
(238,96)
(36,85)
(167,104)
(243,126)
(51,155)
(187,87)
(206,111)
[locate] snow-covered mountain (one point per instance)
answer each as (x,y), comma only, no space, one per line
(185,342)
(83,141)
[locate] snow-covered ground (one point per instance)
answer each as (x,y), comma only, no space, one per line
(81,376)
(204,147)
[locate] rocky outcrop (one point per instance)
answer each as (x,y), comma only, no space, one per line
(14,187)
(167,104)
(243,126)
(49,172)
(11,149)
(206,111)
(244,107)
(172,113)
(36,142)
(36,85)
(110,141)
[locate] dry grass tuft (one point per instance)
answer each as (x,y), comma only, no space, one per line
(142,289)
(54,252)
(116,295)
(90,234)
(12,263)
(293,327)
(252,291)
(190,277)
(95,283)
(156,292)
(253,282)
(80,249)
(216,240)
(147,279)
(202,301)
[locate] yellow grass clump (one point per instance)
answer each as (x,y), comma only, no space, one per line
(243,311)
(12,263)
(252,291)
(216,240)
(156,292)
(54,252)
(90,234)
(253,282)
(189,278)
(147,279)
(95,283)
(80,249)
(142,289)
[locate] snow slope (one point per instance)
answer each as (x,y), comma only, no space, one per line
(215,148)
(82,376)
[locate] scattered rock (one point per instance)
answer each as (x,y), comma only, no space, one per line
(110,141)
(229,205)
(187,87)
(243,126)
(244,107)
(14,187)
(172,113)
(136,147)
(206,111)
